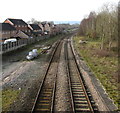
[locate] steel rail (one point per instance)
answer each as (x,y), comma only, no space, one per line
(41,85)
(68,74)
(80,79)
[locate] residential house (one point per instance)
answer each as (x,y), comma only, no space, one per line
(19,24)
(46,28)
(21,35)
(36,30)
(7,31)
(51,28)
(41,26)
(56,29)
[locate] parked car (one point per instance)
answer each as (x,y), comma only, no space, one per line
(10,40)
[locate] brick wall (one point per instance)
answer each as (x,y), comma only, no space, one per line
(7,34)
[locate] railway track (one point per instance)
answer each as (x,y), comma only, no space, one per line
(81,99)
(45,97)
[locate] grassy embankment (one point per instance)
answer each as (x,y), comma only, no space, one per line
(104,64)
(10,95)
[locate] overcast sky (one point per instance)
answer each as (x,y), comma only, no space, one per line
(49,10)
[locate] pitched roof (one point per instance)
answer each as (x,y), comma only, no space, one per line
(21,35)
(7,27)
(50,23)
(43,23)
(35,27)
(17,21)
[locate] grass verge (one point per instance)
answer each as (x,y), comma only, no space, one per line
(8,97)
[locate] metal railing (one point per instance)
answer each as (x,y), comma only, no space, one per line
(19,43)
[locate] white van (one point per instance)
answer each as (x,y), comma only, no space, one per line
(10,40)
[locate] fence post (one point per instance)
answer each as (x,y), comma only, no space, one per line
(17,43)
(6,47)
(3,47)
(12,44)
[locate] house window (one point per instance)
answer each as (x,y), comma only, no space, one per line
(3,32)
(6,32)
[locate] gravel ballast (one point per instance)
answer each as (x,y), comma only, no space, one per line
(62,97)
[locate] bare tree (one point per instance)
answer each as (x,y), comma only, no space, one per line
(103,25)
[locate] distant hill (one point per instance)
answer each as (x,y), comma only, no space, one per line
(67,22)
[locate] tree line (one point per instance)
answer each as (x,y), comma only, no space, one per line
(102,25)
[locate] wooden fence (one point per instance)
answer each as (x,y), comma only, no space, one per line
(20,43)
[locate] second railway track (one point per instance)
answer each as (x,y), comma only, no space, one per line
(80,97)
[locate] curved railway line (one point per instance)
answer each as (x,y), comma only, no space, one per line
(81,100)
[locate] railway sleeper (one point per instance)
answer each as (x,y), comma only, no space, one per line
(44,102)
(80,96)
(82,109)
(77,84)
(77,89)
(46,94)
(43,106)
(44,98)
(82,106)
(82,99)
(41,109)
(82,102)
(76,92)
